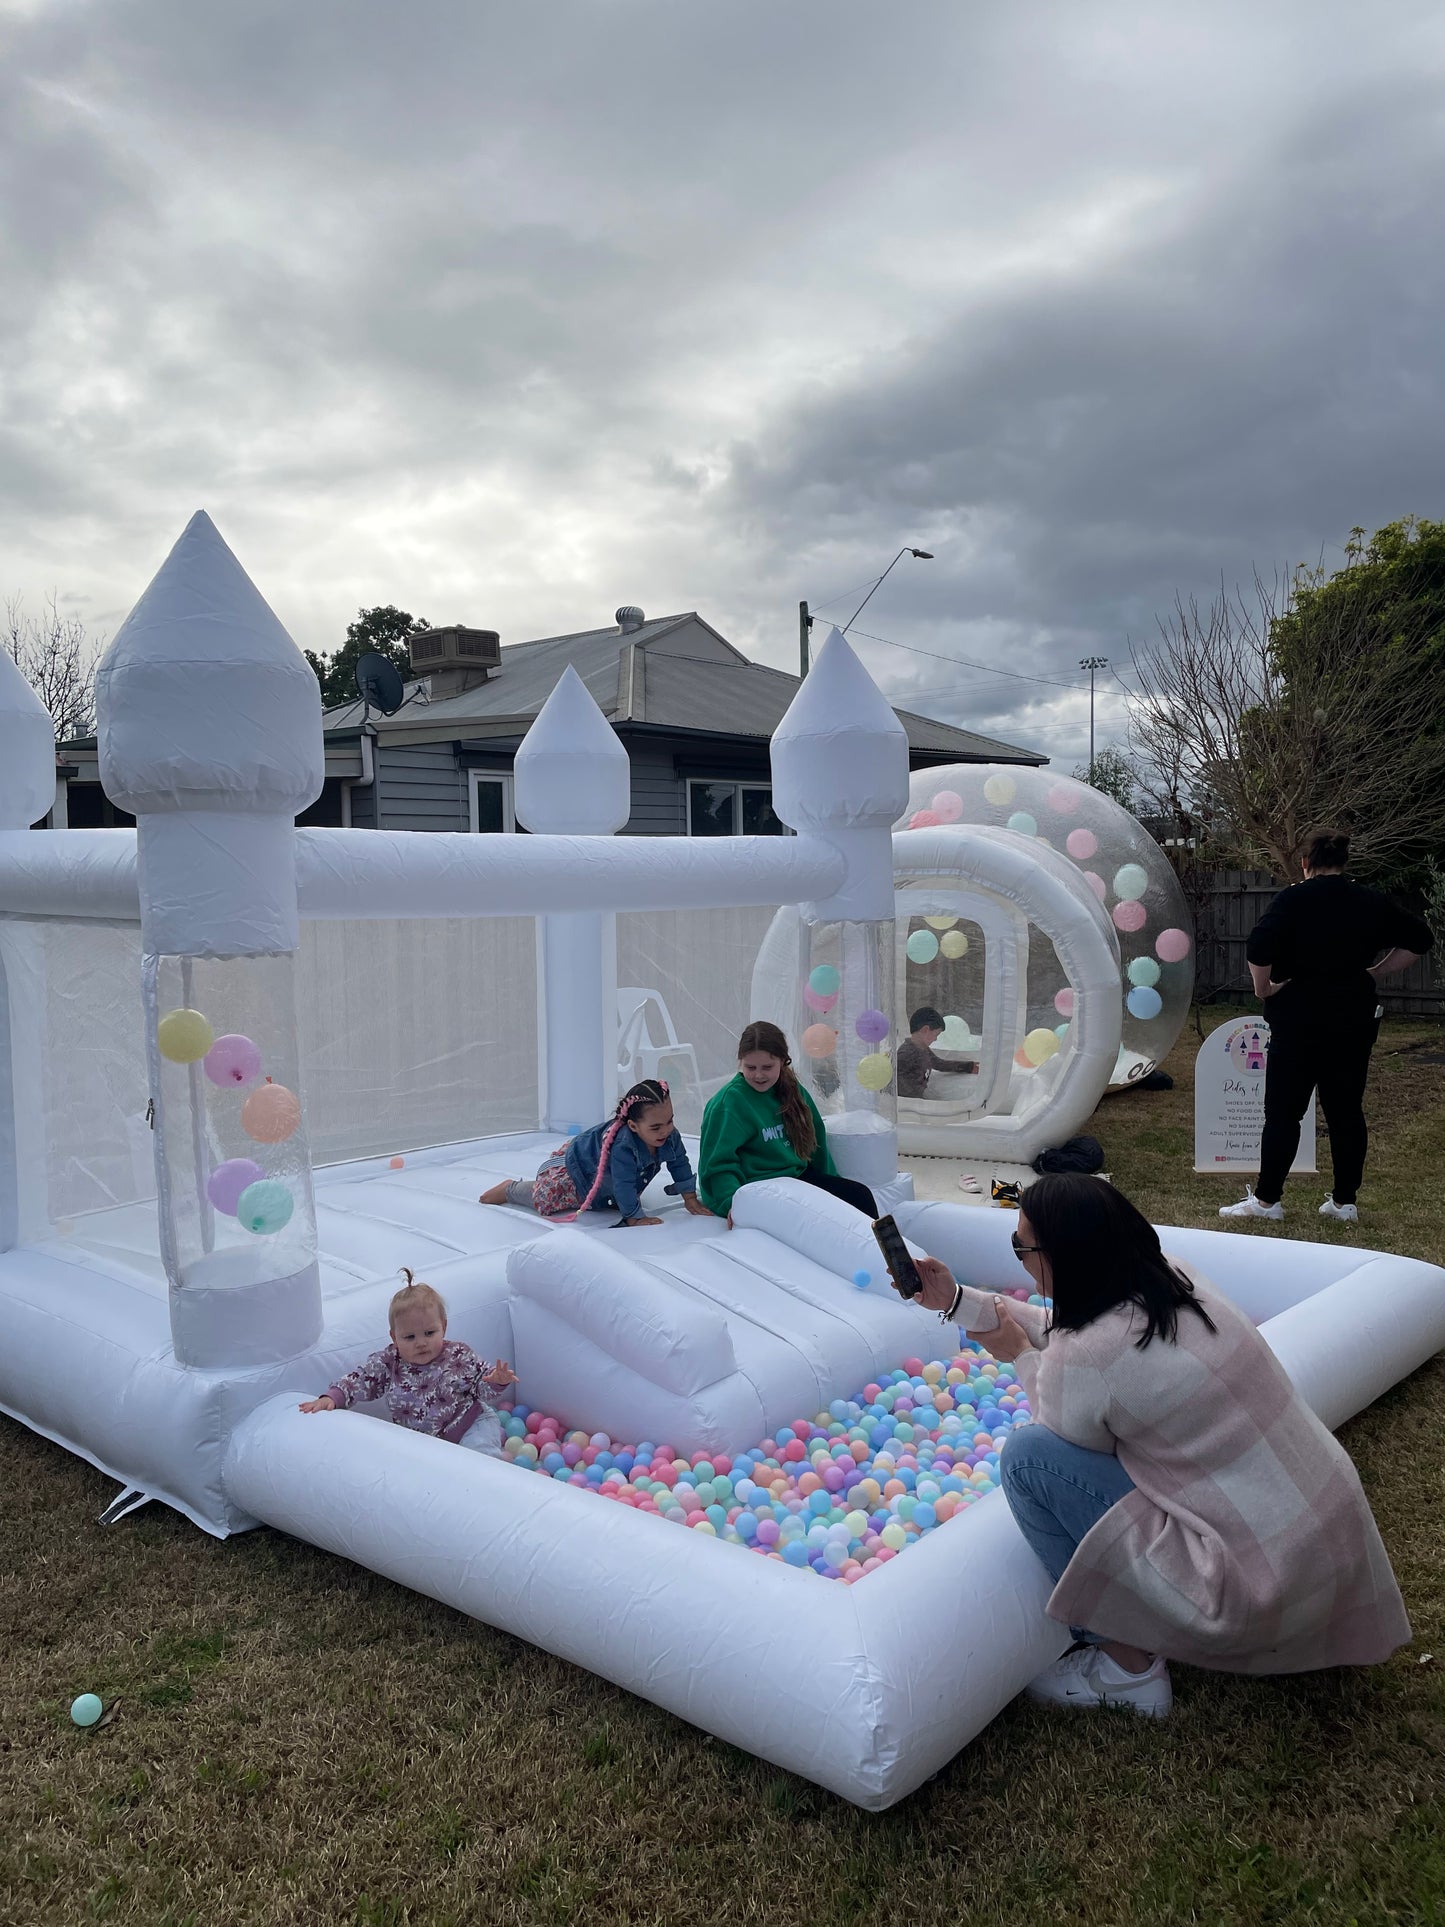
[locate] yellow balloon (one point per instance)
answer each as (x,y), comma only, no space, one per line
(184,1036)
(940,923)
(1039,1046)
(875,1071)
(1000,789)
(954,944)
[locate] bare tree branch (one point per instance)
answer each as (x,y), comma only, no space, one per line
(57,659)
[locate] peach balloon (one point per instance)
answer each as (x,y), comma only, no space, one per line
(271,1113)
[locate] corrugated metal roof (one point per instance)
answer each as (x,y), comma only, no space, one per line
(674,672)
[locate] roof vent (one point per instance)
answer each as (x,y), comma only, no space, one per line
(629,619)
(455,658)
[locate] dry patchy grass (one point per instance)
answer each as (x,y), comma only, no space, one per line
(300,1741)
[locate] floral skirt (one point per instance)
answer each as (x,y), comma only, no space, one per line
(551,1194)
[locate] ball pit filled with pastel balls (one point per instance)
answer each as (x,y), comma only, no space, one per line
(1124,867)
(840,1493)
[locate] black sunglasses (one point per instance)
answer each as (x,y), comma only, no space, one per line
(1019,1247)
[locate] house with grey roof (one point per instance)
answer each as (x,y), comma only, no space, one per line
(694,714)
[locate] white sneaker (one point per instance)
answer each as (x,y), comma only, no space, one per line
(1249,1206)
(1088,1677)
(1346,1213)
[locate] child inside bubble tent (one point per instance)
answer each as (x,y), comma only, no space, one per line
(431,1383)
(609,1166)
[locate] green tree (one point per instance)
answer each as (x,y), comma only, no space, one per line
(1112,774)
(385,629)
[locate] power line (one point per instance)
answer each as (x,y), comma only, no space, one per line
(964,662)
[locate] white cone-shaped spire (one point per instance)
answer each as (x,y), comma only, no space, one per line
(571,773)
(27,751)
(840,755)
(203,702)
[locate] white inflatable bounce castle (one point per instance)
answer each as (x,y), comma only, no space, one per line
(178,1267)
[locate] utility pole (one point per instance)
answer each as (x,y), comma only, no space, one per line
(805,623)
(1092,663)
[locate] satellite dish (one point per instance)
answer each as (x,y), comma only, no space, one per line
(378,682)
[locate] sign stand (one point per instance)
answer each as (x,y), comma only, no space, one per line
(1229,1075)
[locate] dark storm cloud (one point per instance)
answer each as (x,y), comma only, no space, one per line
(516,313)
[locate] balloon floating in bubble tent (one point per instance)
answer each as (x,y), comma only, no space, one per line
(231,1061)
(1143,970)
(872,1026)
(940,923)
(1039,1046)
(265,1207)
(226,1183)
(1145,1003)
(824,980)
(1022,824)
(1000,790)
(271,1113)
(924,820)
(1131,880)
(922,947)
(184,1036)
(1172,945)
(953,944)
(816,1001)
(948,806)
(875,1072)
(819,1040)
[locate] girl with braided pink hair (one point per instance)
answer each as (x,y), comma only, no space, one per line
(610,1166)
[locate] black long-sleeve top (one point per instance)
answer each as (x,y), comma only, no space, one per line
(1322,935)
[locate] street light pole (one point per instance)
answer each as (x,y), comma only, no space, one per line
(922,555)
(1092,663)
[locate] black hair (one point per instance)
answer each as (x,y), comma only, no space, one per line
(926,1014)
(1328,849)
(1104,1252)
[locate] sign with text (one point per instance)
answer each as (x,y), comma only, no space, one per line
(1229,1075)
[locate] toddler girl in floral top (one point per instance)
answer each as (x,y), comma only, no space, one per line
(431,1383)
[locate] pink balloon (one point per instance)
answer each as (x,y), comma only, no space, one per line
(1097,884)
(924,820)
(1082,844)
(947,806)
(1062,800)
(1130,915)
(1172,945)
(816,1000)
(231,1061)
(1064,1003)
(226,1183)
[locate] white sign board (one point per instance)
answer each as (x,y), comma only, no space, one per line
(1229,1075)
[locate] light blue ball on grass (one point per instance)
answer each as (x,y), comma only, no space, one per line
(86,1710)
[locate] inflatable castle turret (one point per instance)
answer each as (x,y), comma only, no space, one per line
(840,773)
(572,778)
(209,732)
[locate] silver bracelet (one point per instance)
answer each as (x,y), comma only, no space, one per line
(946,1317)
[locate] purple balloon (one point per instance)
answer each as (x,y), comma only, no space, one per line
(872,1026)
(232,1061)
(226,1183)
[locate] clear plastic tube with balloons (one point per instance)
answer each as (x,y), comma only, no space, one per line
(849,1039)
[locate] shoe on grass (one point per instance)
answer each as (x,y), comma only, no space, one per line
(1249,1206)
(1088,1677)
(1346,1213)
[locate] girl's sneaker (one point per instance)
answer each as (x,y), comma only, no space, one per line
(1249,1206)
(1088,1677)
(1346,1213)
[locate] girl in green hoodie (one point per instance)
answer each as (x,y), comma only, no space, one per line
(763,1124)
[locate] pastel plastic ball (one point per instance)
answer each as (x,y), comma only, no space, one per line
(87,1709)
(1064,1002)
(924,820)
(271,1113)
(1131,880)
(398,1164)
(948,806)
(1097,884)
(824,979)
(184,1036)
(1000,790)
(922,947)
(1023,824)
(819,1040)
(894,1537)
(875,1072)
(1172,945)
(1063,799)
(862,1279)
(1081,845)
(226,1183)
(816,1001)
(872,1026)
(1143,970)
(953,944)
(1144,1003)
(231,1061)
(1061,1031)
(1130,914)
(940,923)
(1039,1046)
(265,1207)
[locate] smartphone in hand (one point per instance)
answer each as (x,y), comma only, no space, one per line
(896,1256)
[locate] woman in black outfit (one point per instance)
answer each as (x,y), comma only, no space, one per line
(1315,956)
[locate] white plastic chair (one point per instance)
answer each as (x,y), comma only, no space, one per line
(637,1054)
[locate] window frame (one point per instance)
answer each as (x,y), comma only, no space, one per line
(475,778)
(738,785)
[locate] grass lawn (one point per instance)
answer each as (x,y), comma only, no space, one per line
(299,1741)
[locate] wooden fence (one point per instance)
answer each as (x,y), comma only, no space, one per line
(1236,900)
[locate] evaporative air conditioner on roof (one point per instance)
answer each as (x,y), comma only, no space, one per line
(456,659)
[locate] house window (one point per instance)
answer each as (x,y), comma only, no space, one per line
(490,803)
(731,809)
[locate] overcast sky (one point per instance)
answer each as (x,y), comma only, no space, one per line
(513,313)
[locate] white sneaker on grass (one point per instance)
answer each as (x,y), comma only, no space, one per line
(1249,1206)
(1088,1677)
(1346,1213)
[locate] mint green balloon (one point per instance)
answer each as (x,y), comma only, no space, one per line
(1130,882)
(1144,970)
(922,947)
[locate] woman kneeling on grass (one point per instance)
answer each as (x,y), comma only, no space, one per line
(1186,1501)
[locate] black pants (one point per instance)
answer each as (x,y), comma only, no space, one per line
(858,1195)
(1333,1057)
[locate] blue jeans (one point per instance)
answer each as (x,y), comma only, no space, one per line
(1056,1492)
